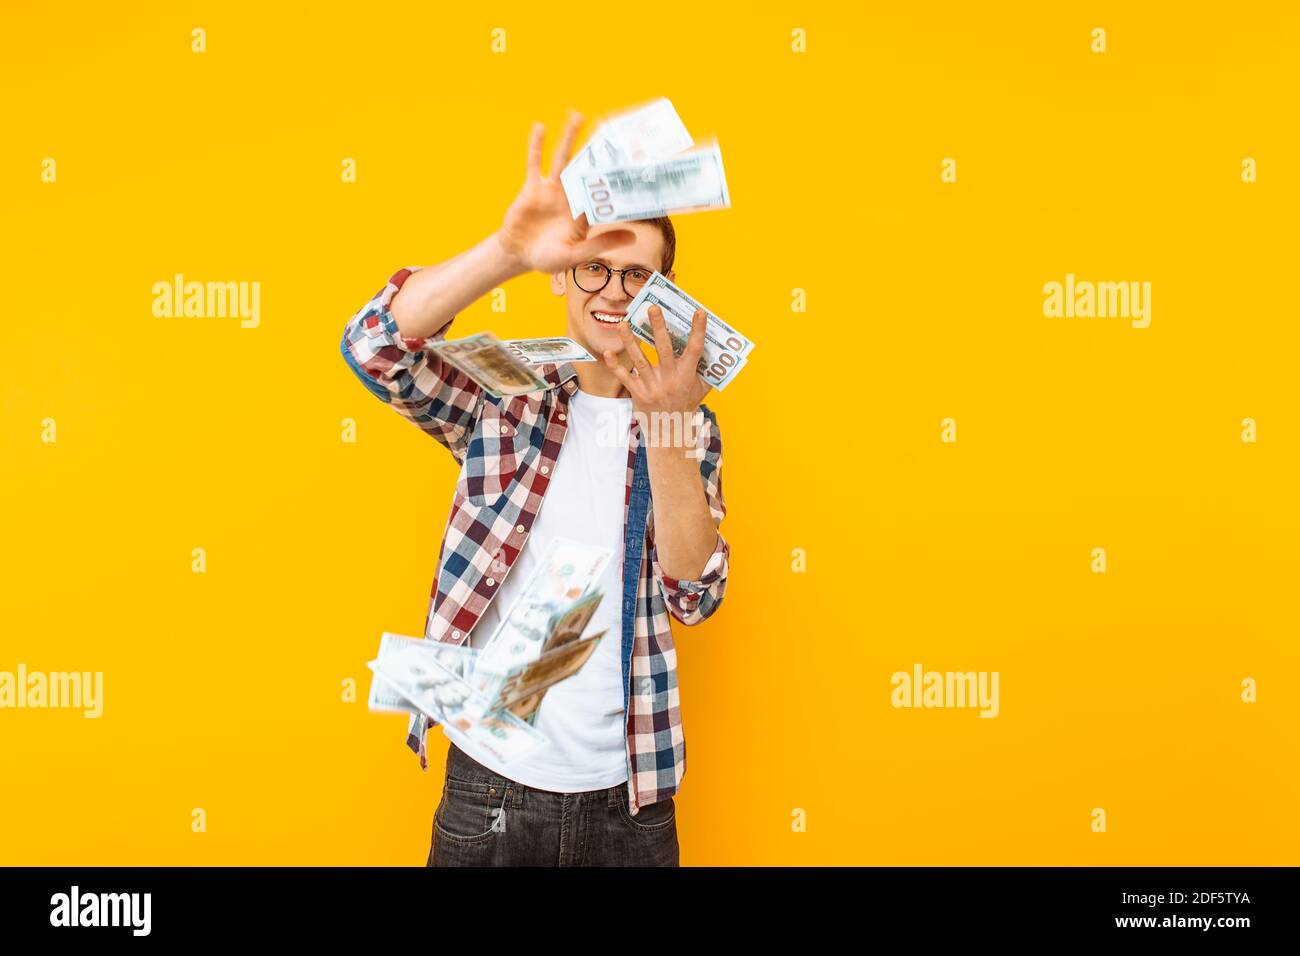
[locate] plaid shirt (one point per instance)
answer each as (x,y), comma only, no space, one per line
(507,448)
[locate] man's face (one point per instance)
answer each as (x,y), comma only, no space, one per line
(592,318)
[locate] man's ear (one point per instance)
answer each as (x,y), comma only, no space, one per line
(672,277)
(557,282)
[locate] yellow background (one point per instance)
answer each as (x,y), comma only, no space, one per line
(223,690)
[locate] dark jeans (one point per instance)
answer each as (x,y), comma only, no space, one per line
(485,819)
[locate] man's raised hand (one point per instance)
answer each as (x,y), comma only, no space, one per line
(539,232)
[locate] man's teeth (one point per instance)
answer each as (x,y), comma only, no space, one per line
(610,318)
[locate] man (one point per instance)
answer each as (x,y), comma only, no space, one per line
(544,465)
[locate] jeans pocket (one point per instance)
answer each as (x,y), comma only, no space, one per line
(651,817)
(470,812)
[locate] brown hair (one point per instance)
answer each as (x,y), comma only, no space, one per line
(665,227)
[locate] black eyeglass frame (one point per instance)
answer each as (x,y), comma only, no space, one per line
(609,274)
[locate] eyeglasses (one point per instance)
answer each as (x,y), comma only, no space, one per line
(594,276)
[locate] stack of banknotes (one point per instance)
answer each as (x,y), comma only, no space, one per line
(489,695)
(725,350)
(634,167)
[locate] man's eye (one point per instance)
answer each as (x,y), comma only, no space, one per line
(593,268)
(640,275)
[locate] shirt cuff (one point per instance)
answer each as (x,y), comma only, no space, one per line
(387,325)
(691,589)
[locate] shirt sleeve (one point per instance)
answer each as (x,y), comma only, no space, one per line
(438,398)
(692,601)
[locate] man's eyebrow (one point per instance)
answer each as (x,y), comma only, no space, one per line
(635,265)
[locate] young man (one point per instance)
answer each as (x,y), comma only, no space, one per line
(544,465)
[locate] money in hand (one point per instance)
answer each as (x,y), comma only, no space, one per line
(726,351)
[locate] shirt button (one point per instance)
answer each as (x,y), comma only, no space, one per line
(561,416)
(491,582)
(455,635)
(546,469)
(505,429)
(519,528)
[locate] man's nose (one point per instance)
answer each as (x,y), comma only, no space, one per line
(614,290)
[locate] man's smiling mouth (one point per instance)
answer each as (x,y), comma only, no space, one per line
(608,318)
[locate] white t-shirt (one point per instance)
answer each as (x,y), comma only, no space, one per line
(582,716)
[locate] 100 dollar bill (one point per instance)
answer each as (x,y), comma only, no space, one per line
(566,570)
(485,360)
(726,351)
(684,183)
(456,658)
(551,351)
(420,676)
(507,368)
(641,135)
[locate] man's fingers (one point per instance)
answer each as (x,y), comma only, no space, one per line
(535,151)
(663,341)
(695,344)
(632,345)
(595,246)
(565,149)
(612,363)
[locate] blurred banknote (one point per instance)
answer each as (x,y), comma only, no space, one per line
(571,621)
(456,658)
(522,691)
(683,183)
(419,676)
(501,734)
(566,571)
(479,695)
(637,136)
(547,351)
(487,361)
(509,367)
(437,691)
(726,351)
